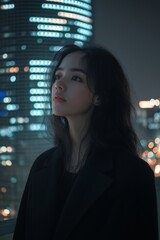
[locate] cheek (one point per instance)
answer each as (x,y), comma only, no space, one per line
(82,98)
(52,95)
(53,91)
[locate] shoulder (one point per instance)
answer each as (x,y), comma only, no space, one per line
(144,173)
(44,159)
(133,168)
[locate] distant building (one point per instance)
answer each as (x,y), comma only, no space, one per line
(30,32)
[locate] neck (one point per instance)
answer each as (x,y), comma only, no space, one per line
(78,128)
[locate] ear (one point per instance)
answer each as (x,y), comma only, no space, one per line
(97,101)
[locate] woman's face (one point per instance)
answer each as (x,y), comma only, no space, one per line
(70,93)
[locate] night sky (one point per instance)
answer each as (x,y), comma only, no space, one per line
(131,31)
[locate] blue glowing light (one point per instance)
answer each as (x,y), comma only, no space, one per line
(2,94)
(3,112)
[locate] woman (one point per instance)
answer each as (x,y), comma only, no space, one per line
(92,184)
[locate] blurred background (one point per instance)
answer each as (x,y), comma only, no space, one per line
(30,33)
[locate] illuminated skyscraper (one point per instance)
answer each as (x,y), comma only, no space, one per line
(30,32)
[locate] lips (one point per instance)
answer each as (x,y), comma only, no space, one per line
(58,98)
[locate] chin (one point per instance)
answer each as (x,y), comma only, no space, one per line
(57,114)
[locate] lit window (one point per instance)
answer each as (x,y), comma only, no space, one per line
(12,120)
(52,28)
(7,6)
(37,127)
(75,16)
(12,107)
(38,69)
(5,55)
(39,98)
(39,62)
(23,47)
(42,84)
(39,91)
(85,32)
(79,43)
(36,112)
(48,20)
(10,63)
(7,100)
(41,106)
(13,78)
(73,2)
(13,180)
(83,25)
(47,34)
(66,8)
(55,48)
(38,77)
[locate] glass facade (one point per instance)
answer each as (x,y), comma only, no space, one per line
(30,32)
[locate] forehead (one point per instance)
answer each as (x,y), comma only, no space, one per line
(74,60)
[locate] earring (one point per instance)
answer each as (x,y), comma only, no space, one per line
(97,101)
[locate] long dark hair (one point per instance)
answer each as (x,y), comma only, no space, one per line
(111,123)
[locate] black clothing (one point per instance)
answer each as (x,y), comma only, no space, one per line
(64,189)
(112,198)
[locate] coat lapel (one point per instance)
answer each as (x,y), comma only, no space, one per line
(45,186)
(89,185)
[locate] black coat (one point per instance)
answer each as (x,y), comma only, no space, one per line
(112,198)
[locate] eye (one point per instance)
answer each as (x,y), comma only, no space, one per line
(57,76)
(77,79)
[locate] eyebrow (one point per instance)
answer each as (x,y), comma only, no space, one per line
(74,70)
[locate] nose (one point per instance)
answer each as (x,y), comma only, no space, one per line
(59,85)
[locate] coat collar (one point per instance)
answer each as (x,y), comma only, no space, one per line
(89,185)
